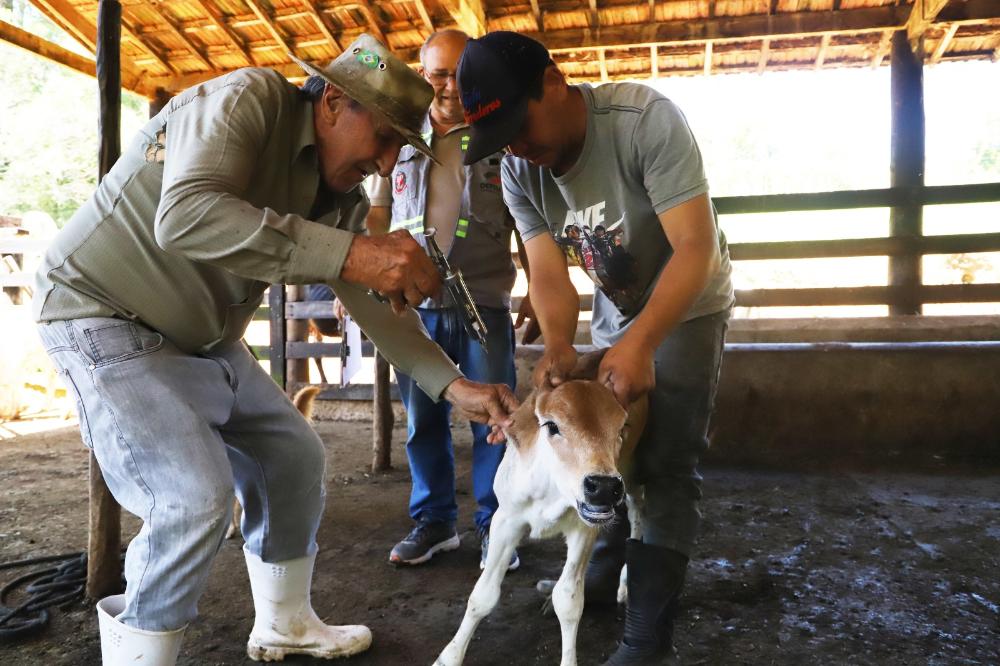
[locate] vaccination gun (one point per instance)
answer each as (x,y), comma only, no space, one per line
(459,293)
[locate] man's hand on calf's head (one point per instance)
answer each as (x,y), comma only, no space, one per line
(393,265)
(492,404)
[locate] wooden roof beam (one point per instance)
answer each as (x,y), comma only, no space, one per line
(725,29)
(468,14)
(922,15)
(268,24)
(882,50)
(66,17)
(366,9)
(426,18)
(593,19)
(215,18)
(130,33)
(654,62)
(537,13)
(708,59)
(765,53)
(320,22)
(824,44)
(603,65)
(944,42)
(179,34)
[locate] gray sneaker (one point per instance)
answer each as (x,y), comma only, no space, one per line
(484,546)
(423,541)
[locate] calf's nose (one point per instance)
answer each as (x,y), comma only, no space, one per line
(603,489)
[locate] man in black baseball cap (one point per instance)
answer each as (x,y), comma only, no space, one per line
(585,164)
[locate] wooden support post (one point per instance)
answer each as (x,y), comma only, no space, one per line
(298,331)
(276,355)
(383,418)
(104,571)
(906,167)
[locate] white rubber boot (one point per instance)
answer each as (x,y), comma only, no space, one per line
(122,645)
(286,623)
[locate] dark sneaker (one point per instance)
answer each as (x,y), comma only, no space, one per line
(426,539)
(484,546)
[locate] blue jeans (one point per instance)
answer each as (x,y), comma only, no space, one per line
(173,433)
(428,443)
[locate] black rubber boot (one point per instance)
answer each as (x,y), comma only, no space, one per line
(600,583)
(655,578)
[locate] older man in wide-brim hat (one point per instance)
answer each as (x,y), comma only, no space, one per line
(142,302)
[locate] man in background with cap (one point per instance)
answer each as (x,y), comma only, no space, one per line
(616,162)
(464,205)
(143,298)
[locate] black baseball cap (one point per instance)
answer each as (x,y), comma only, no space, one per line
(494,75)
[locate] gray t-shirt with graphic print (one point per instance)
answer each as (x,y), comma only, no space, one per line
(638,160)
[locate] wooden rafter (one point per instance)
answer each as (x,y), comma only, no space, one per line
(216,19)
(603,65)
(824,44)
(320,22)
(536,11)
(708,58)
(882,50)
(29,42)
(651,12)
(921,17)
(470,15)
(765,53)
(944,42)
(268,24)
(179,34)
(725,29)
(66,17)
(592,17)
(711,8)
(131,33)
(366,9)
(426,18)
(654,62)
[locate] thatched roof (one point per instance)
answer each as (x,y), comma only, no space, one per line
(172,44)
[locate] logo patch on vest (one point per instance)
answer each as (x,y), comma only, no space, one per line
(491,182)
(399,184)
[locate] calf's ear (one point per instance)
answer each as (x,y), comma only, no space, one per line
(522,431)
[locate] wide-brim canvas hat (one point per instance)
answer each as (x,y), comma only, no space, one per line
(368,73)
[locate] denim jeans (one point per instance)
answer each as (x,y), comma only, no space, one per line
(173,433)
(687,366)
(429,444)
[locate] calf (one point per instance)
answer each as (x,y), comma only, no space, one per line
(565,470)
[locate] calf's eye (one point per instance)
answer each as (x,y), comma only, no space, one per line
(552,428)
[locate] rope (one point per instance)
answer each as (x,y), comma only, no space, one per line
(59,585)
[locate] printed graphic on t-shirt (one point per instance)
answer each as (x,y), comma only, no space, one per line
(597,248)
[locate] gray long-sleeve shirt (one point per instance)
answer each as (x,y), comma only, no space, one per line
(217,197)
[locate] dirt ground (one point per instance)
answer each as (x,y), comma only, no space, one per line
(847,567)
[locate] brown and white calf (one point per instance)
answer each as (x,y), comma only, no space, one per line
(565,470)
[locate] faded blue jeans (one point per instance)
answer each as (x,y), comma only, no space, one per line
(428,442)
(174,433)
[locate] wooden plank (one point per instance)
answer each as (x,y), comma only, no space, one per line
(295,349)
(824,44)
(969,12)
(765,52)
(353,392)
(174,30)
(297,331)
(943,43)
(470,15)
(725,29)
(708,58)
(321,23)
(429,24)
(46,49)
(866,247)
(906,166)
(269,25)
(654,62)
(923,14)
(215,17)
(592,17)
(881,198)
(69,19)
(603,66)
(276,305)
(942,293)
(19,279)
(882,50)
(536,12)
(104,537)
